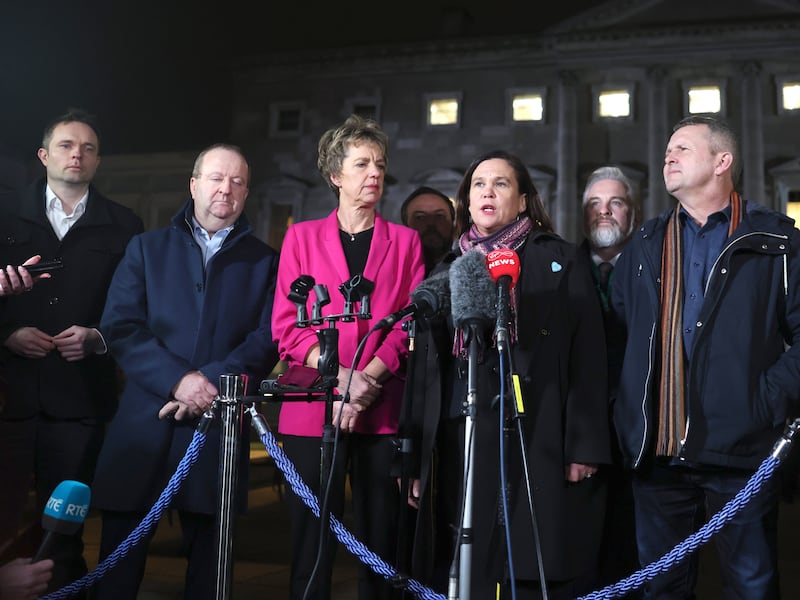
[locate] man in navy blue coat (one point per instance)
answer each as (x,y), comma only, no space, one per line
(188,303)
(710,293)
(60,382)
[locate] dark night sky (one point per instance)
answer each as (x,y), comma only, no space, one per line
(156,73)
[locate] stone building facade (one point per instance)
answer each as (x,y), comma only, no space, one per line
(654,49)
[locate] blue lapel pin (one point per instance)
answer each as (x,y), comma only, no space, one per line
(555,267)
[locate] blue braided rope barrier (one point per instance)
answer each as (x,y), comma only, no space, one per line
(356,547)
(144,528)
(694,541)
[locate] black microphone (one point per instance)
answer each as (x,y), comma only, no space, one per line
(64,513)
(471,289)
(298,293)
(503,267)
(430,297)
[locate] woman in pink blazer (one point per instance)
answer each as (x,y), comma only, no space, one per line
(353,240)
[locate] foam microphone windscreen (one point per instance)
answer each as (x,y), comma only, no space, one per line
(472,291)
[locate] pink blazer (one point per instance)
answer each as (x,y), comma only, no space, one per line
(395,265)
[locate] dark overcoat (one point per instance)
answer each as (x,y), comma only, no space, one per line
(167,316)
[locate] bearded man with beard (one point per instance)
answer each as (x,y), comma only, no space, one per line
(611,214)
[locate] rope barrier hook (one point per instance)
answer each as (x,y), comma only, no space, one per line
(784,445)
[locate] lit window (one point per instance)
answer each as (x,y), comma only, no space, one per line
(527,107)
(793,211)
(614,103)
(443,111)
(705,99)
(791,95)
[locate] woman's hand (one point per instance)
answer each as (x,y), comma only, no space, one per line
(576,472)
(413,491)
(348,418)
(363,391)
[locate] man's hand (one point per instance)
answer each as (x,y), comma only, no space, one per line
(76,343)
(30,342)
(192,395)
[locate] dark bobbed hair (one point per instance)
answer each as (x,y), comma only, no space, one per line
(73,115)
(535,209)
(424,189)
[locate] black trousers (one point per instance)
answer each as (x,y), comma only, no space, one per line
(123,581)
(367,460)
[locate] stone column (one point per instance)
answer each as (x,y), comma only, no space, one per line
(751,136)
(656,199)
(567,217)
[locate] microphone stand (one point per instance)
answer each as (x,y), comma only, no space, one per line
(405,447)
(328,366)
(517,412)
(460,587)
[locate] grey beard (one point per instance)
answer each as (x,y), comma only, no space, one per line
(606,237)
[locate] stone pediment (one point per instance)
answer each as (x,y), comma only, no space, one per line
(788,167)
(663,14)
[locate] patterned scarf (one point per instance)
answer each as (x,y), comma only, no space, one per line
(672,403)
(512,236)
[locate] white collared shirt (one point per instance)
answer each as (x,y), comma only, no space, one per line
(62,222)
(59,219)
(210,245)
(597,260)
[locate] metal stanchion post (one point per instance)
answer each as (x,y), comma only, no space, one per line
(231,390)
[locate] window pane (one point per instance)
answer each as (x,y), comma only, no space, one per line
(443,111)
(791,96)
(527,107)
(368,111)
(616,103)
(289,120)
(705,99)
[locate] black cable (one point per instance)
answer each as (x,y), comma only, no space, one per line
(326,496)
(517,412)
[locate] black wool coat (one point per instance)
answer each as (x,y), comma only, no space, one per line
(74,295)
(560,358)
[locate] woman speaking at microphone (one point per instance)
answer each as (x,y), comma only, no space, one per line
(557,349)
(353,240)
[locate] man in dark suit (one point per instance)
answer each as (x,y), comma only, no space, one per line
(611,214)
(61,380)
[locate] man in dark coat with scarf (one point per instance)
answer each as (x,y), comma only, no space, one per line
(710,294)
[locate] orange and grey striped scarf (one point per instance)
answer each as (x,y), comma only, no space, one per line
(672,403)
